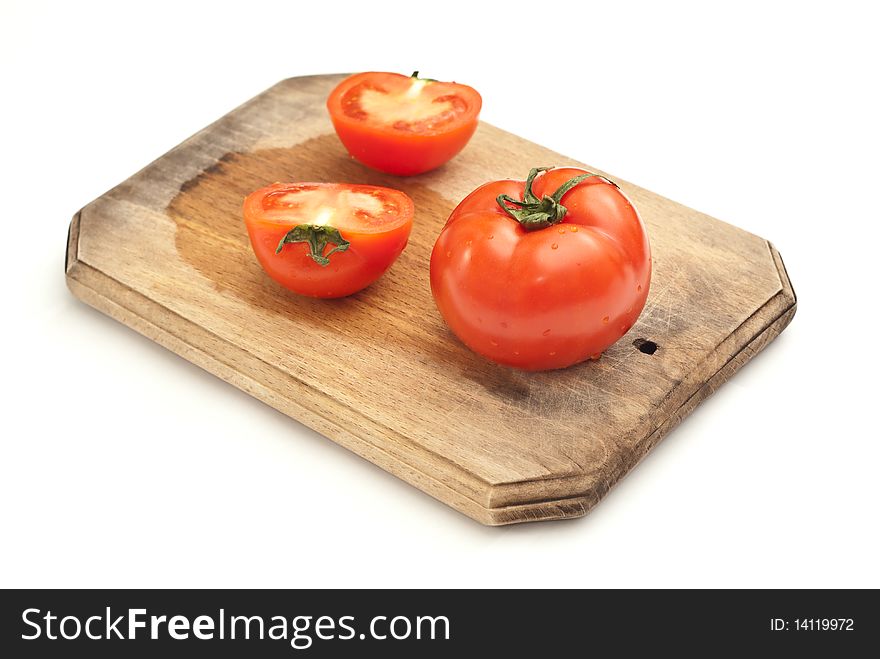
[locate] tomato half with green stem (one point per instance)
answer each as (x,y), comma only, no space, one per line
(403,125)
(327,239)
(542,273)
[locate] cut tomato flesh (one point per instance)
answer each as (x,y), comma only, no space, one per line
(363,209)
(417,106)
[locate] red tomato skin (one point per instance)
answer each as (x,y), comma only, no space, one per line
(544,299)
(402,155)
(368,257)
(398,152)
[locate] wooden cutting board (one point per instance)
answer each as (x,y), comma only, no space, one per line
(166,253)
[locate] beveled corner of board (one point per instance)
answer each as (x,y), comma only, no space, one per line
(787,289)
(538,511)
(71,256)
(540,499)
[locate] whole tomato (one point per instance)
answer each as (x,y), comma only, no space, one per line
(542,273)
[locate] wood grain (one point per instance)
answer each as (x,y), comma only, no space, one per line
(166,253)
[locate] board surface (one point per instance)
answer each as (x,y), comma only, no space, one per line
(166,253)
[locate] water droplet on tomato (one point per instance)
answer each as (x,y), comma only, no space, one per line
(516,352)
(503,324)
(468,243)
(546,332)
(491,237)
(596,356)
(554,246)
(574,229)
(605,320)
(448,254)
(494,343)
(551,353)
(561,229)
(639,289)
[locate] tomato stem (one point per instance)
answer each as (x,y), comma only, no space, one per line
(317,236)
(415,76)
(533,213)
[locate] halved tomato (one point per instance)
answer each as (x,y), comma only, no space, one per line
(403,125)
(327,239)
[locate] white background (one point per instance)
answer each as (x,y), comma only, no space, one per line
(124,465)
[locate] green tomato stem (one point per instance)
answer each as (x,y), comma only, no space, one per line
(317,236)
(533,213)
(415,76)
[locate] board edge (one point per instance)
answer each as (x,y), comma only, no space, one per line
(71,254)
